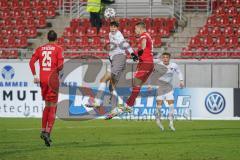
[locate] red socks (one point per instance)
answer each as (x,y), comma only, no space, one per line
(132,98)
(47,123)
(45,118)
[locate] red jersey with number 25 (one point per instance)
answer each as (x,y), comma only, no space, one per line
(147,52)
(50,60)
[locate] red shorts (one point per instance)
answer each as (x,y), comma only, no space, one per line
(50,91)
(144,70)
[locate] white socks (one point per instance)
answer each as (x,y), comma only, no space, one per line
(171,113)
(101,89)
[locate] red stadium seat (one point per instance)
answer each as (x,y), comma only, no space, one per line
(124,21)
(96,42)
(84,22)
(236,21)
(14,4)
(80,31)
(41,22)
(51,12)
(7,22)
(216,32)
(9,32)
(233,42)
(68,32)
(195,42)
(134,20)
(19,22)
(20,32)
(237,3)
(74,23)
(232,11)
(3,4)
(227,3)
(127,31)
(157,42)
(171,23)
(153,31)
(17,13)
(104,31)
(84,42)
(37,4)
(203,31)
(91,31)
(28,13)
(164,32)
(211,21)
(223,21)
(238,32)
(200,52)
(221,41)
(5,14)
(49,3)
(2,44)
(22,42)
(11,43)
(39,12)
(31,32)
(148,21)
(30,22)
(229,31)
(13,54)
(208,42)
(26,4)
(220,11)
(158,22)
(186,52)
(71,42)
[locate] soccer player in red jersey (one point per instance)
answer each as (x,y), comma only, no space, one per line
(50,62)
(144,68)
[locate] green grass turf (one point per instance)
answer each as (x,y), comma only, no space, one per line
(118,139)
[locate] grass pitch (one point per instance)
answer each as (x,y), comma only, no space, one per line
(120,140)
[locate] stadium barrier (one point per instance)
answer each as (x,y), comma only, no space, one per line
(20,97)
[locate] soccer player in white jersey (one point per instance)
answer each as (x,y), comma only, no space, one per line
(165,89)
(117,56)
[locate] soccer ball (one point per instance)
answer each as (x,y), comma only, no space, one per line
(109,13)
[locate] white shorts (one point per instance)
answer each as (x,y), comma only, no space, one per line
(167,96)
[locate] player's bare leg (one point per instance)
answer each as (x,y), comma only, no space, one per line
(159,114)
(171,114)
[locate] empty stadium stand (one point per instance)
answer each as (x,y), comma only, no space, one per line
(219,37)
(19,21)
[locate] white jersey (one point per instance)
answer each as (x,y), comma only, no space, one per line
(172,68)
(118,44)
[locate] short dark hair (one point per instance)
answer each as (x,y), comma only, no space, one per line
(141,24)
(114,23)
(166,54)
(52,36)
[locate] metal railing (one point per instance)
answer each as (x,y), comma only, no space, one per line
(197,6)
(178,9)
